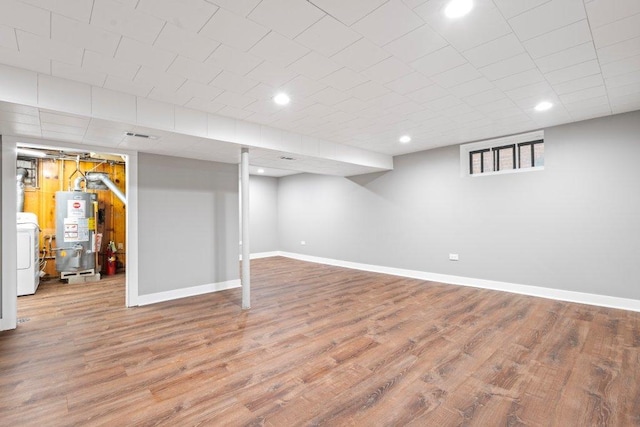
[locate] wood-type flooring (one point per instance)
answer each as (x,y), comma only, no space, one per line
(322,345)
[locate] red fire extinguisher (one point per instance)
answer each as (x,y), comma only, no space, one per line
(111,259)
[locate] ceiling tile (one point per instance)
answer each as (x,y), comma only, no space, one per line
(605,12)
(204,105)
(352,105)
(314,66)
(360,55)
(623,79)
(570,73)
(558,40)
(438,61)
(233,60)
(287,17)
(428,94)
(618,51)
(302,87)
(79,10)
(185,43)
(496,50)
(97,63)
(53,117)
(572,56)
(329,96)
(278,49)
(74,72)
(234,99)
(368,91)
(18,85)
(547,17)
(511,8)
(184,14)
(8,37)
(262,91)
(233,112)
(485,97)
(119,18)
(627,65)
(456,76)
(194,70)
(328,36)
(79,34)
(520,79)
(133,51)
(409,83)
(583,94)
(32,44)
(271,75)
(344,79)
(507,67)
(387,23)
(159,79)
(25,61)
(578,84)
(484,24)
(541,89)
(192,88)
(388,70)
(415,44)
(350,11)
(233,82)
(127,86)
(233,30)
(25,17)
(239,7)
(471,87)
(618,31)
(169,97)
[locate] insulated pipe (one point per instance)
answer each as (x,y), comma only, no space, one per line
(21,175)
(246,262)
(100,177)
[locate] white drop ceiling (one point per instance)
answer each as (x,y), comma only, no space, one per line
(360,74)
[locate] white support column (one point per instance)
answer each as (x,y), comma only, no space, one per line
(246,261)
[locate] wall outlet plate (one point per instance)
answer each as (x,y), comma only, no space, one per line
(453,257)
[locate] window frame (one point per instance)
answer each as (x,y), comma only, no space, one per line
(490,144)
(532,145)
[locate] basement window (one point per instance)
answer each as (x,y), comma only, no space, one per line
(517,153)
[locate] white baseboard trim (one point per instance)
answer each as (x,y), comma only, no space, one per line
(187,292)
(259,255)
(536,291)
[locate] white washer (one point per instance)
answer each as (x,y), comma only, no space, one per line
(28,253)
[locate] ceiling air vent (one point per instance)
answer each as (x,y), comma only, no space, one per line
(141,135)
(286,158)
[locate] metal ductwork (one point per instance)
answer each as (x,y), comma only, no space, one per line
(100,177)
(21,175)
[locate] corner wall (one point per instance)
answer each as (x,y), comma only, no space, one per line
(573,226)
(188,223)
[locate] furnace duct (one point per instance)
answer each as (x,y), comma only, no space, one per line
(100,177)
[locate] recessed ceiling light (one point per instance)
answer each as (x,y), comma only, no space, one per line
(458,8)
(260,170)
(404,139)
(281,99)
(543,106)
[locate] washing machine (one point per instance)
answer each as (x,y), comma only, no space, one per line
(28,253)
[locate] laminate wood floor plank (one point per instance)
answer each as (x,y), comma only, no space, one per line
(322,345)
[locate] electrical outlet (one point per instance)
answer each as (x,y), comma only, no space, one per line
(302,242)
(120,246)
(453,257)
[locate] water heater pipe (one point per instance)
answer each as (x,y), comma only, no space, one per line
(100,177)
(21,175)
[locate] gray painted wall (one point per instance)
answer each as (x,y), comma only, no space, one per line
(263,213)
(188,230)
(574,226)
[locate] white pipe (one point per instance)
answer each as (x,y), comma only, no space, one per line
(246,262)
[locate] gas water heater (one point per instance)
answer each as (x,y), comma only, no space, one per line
(75,232)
